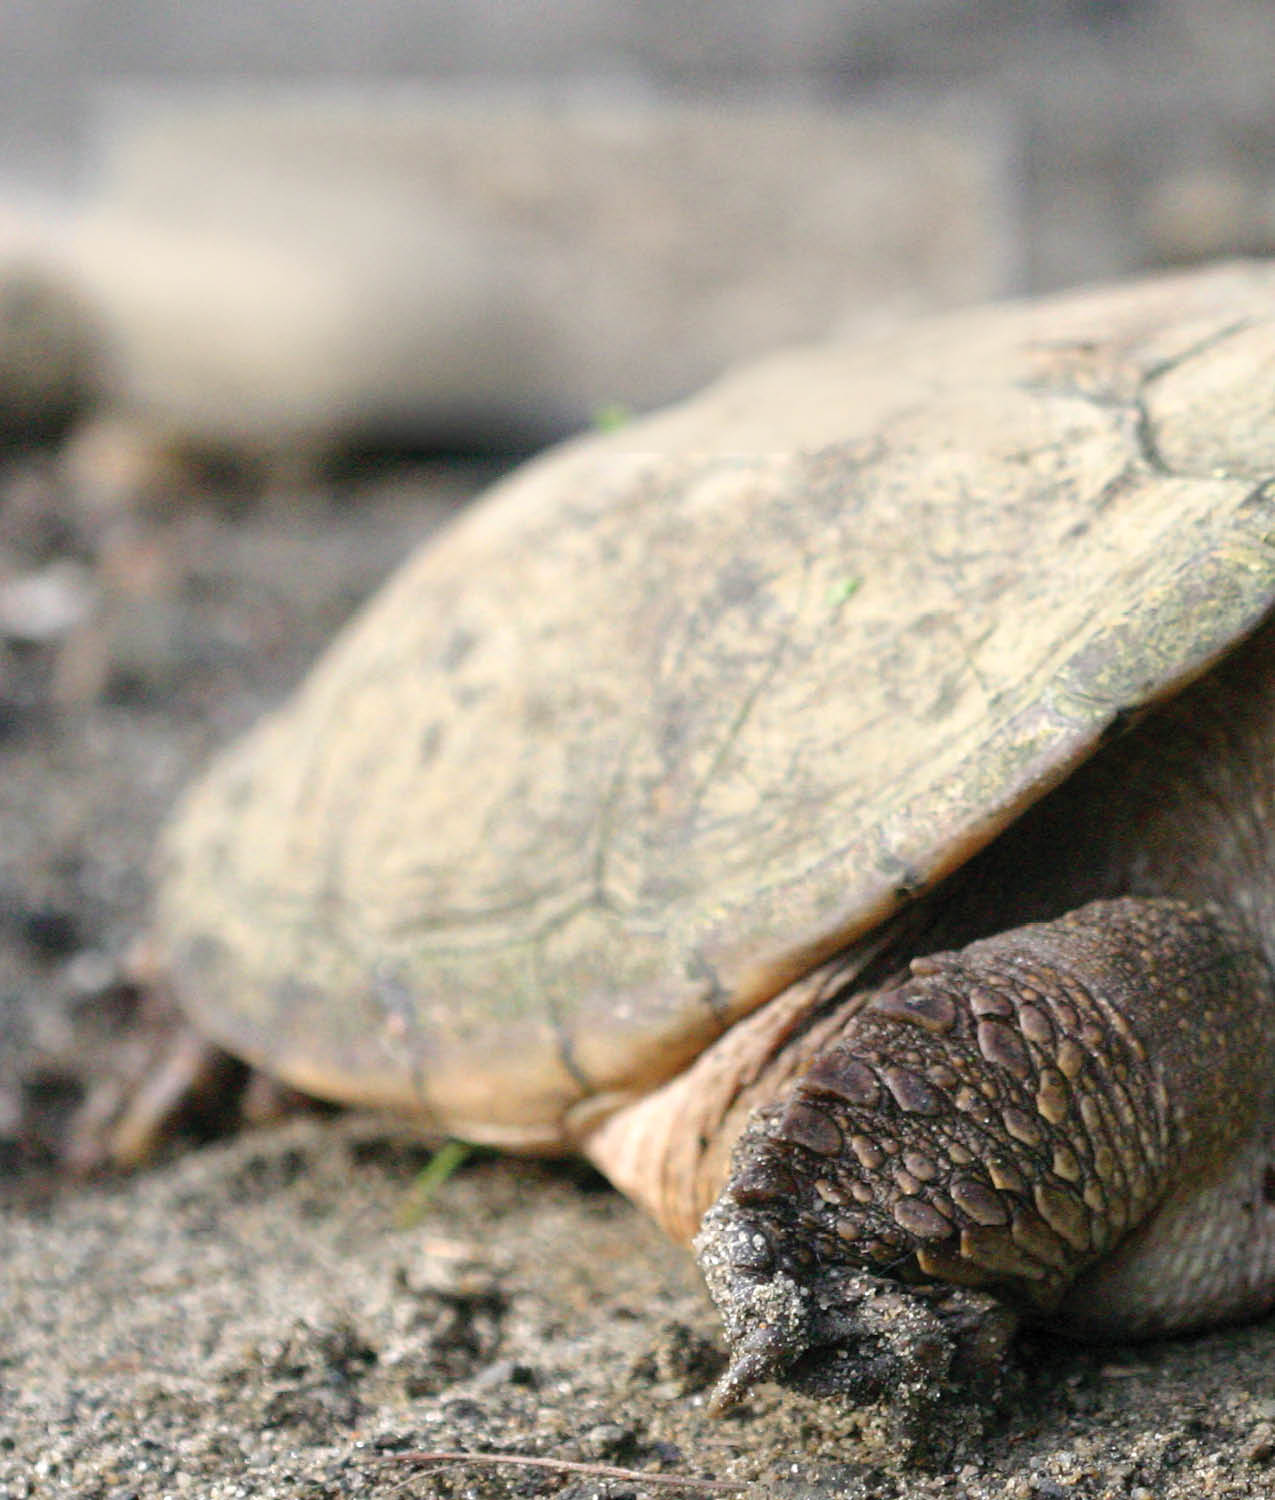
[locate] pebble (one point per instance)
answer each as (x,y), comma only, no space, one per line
(1258,1447)
(46,605)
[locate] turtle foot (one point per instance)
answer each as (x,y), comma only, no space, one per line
(840,1332)
(155,1080)
(182,1084)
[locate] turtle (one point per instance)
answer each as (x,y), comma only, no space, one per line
(842,807)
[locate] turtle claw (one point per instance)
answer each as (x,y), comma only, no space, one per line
(762,1355)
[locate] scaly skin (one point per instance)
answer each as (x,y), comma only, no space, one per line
(987,1132)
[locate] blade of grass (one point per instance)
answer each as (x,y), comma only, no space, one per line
(446,1161)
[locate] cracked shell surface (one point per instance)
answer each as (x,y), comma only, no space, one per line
(679,710)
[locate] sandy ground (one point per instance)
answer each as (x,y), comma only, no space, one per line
(247,1318)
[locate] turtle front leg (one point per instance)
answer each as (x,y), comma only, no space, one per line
(1071,1121)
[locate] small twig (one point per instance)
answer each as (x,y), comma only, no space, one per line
(570,1466)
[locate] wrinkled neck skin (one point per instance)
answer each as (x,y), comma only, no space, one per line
(1182,805)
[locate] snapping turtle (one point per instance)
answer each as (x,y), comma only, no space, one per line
(868,767)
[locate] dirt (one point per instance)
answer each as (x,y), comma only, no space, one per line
(249,1316)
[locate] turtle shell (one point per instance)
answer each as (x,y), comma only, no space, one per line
(678,711)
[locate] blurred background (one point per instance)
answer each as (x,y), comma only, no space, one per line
(1114,109)
(482,224)
(283,285)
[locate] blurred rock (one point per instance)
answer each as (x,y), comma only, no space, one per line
(48,352)
(116,468)
(285,275)
(1200,212)
(48,605)
(137,641)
